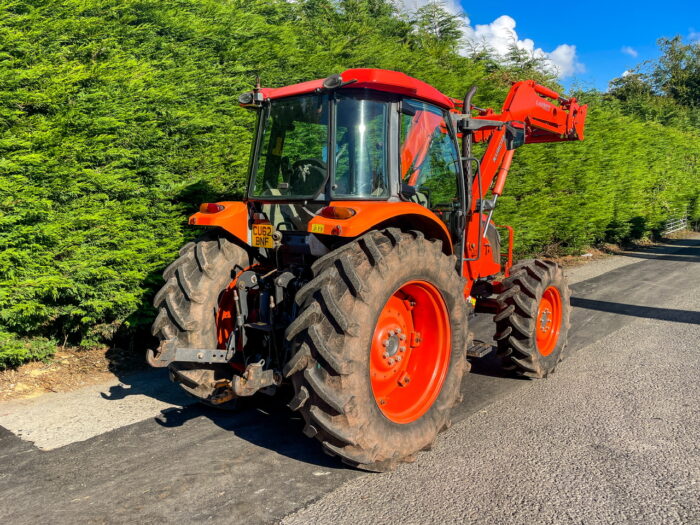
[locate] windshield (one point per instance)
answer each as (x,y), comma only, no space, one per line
(292,157)
(292,152)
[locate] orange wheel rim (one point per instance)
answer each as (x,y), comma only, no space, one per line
(410,352)
(548,321)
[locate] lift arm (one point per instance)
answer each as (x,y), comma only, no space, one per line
(545,116)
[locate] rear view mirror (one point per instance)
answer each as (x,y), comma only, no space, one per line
(515,135)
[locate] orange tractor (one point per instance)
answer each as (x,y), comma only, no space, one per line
(353,264)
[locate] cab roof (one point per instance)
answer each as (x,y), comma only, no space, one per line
(377,79)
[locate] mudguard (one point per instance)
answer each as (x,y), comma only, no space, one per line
(233,218)
(371,215)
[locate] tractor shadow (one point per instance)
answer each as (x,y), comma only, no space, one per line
(262,421)
(490,365)
(266,422)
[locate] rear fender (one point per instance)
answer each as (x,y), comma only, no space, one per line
(233,218)
(381,214)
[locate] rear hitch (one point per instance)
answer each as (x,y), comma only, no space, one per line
(253,380)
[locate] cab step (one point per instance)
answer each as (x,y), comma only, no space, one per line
(479,349)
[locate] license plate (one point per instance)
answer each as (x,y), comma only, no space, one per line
(262,236)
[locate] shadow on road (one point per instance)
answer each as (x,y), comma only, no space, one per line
(679,250)
(490,365)
(151,383)
(659,256)
(262,421)
(267,423)
(649,312)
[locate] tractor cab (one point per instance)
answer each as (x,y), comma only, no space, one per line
(356,144)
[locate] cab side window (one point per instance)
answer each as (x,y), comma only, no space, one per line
(429,158)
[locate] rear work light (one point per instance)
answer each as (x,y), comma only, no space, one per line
(210,207)
(336,212)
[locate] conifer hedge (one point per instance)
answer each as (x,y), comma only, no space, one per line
(117,117)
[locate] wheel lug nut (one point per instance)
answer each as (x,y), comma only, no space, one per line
(402,349)
(398,330)
(385,355)
(385,342)
(398,358)
(402,337)
(391,333)
(391,361)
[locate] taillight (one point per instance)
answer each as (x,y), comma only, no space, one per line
(210,207)
(336,212)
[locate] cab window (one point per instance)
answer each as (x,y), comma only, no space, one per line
(429,158)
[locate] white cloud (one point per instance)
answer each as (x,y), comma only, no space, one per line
(565,61)
(625,73)
(628,50)
(500,35)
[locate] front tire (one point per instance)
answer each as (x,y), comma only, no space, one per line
(533,318)
(379,348)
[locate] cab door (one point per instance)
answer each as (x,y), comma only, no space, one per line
(430,165)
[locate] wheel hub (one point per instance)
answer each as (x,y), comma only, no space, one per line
(545,320)
(392,344)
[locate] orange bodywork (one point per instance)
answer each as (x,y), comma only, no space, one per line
(486,263)
(233,218)
(542,114)
(368,215)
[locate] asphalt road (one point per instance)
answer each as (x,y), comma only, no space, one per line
(611,437)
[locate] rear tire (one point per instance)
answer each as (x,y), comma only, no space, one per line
(187,306)
(533,318)
(333,368)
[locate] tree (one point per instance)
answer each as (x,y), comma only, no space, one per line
(435,25)
(677,72)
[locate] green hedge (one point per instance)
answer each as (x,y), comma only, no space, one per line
(117,117)
(15,350)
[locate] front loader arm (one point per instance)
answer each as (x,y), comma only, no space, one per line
(546,117)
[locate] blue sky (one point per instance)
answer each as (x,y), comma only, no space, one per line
(599,30)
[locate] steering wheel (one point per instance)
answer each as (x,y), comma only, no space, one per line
(307,176)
